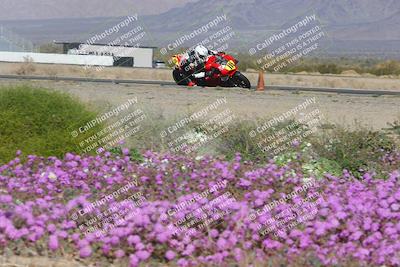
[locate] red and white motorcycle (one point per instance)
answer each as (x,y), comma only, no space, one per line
(221,70)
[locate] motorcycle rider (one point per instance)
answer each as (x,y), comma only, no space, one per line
(193,62)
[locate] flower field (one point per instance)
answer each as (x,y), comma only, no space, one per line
(184,211)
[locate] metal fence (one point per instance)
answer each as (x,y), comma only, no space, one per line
(10,41)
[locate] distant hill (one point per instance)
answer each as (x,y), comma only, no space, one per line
(51,9)
(353,25)
(387,28)
(377,19)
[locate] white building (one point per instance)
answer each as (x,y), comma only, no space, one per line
(106,61)
(128,56)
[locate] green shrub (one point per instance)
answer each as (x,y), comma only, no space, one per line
(390,67)
(328,150)
(134,154)
(51,48)
(238,139)
(26,68)
(357,151)
(329,68)
(40,122)
(395,128)
(309,162)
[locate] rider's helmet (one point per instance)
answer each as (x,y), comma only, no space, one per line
(201,53)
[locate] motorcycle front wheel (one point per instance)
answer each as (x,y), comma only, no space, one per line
(239,80)
(179,77)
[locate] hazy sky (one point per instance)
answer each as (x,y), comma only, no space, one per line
(44,9)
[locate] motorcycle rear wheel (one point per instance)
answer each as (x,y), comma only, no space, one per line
(239,80)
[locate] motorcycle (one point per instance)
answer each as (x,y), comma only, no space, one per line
(221,70)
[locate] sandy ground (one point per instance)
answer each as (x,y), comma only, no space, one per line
(173,102)
(350,80)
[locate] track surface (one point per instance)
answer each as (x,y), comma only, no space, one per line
(166,83)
